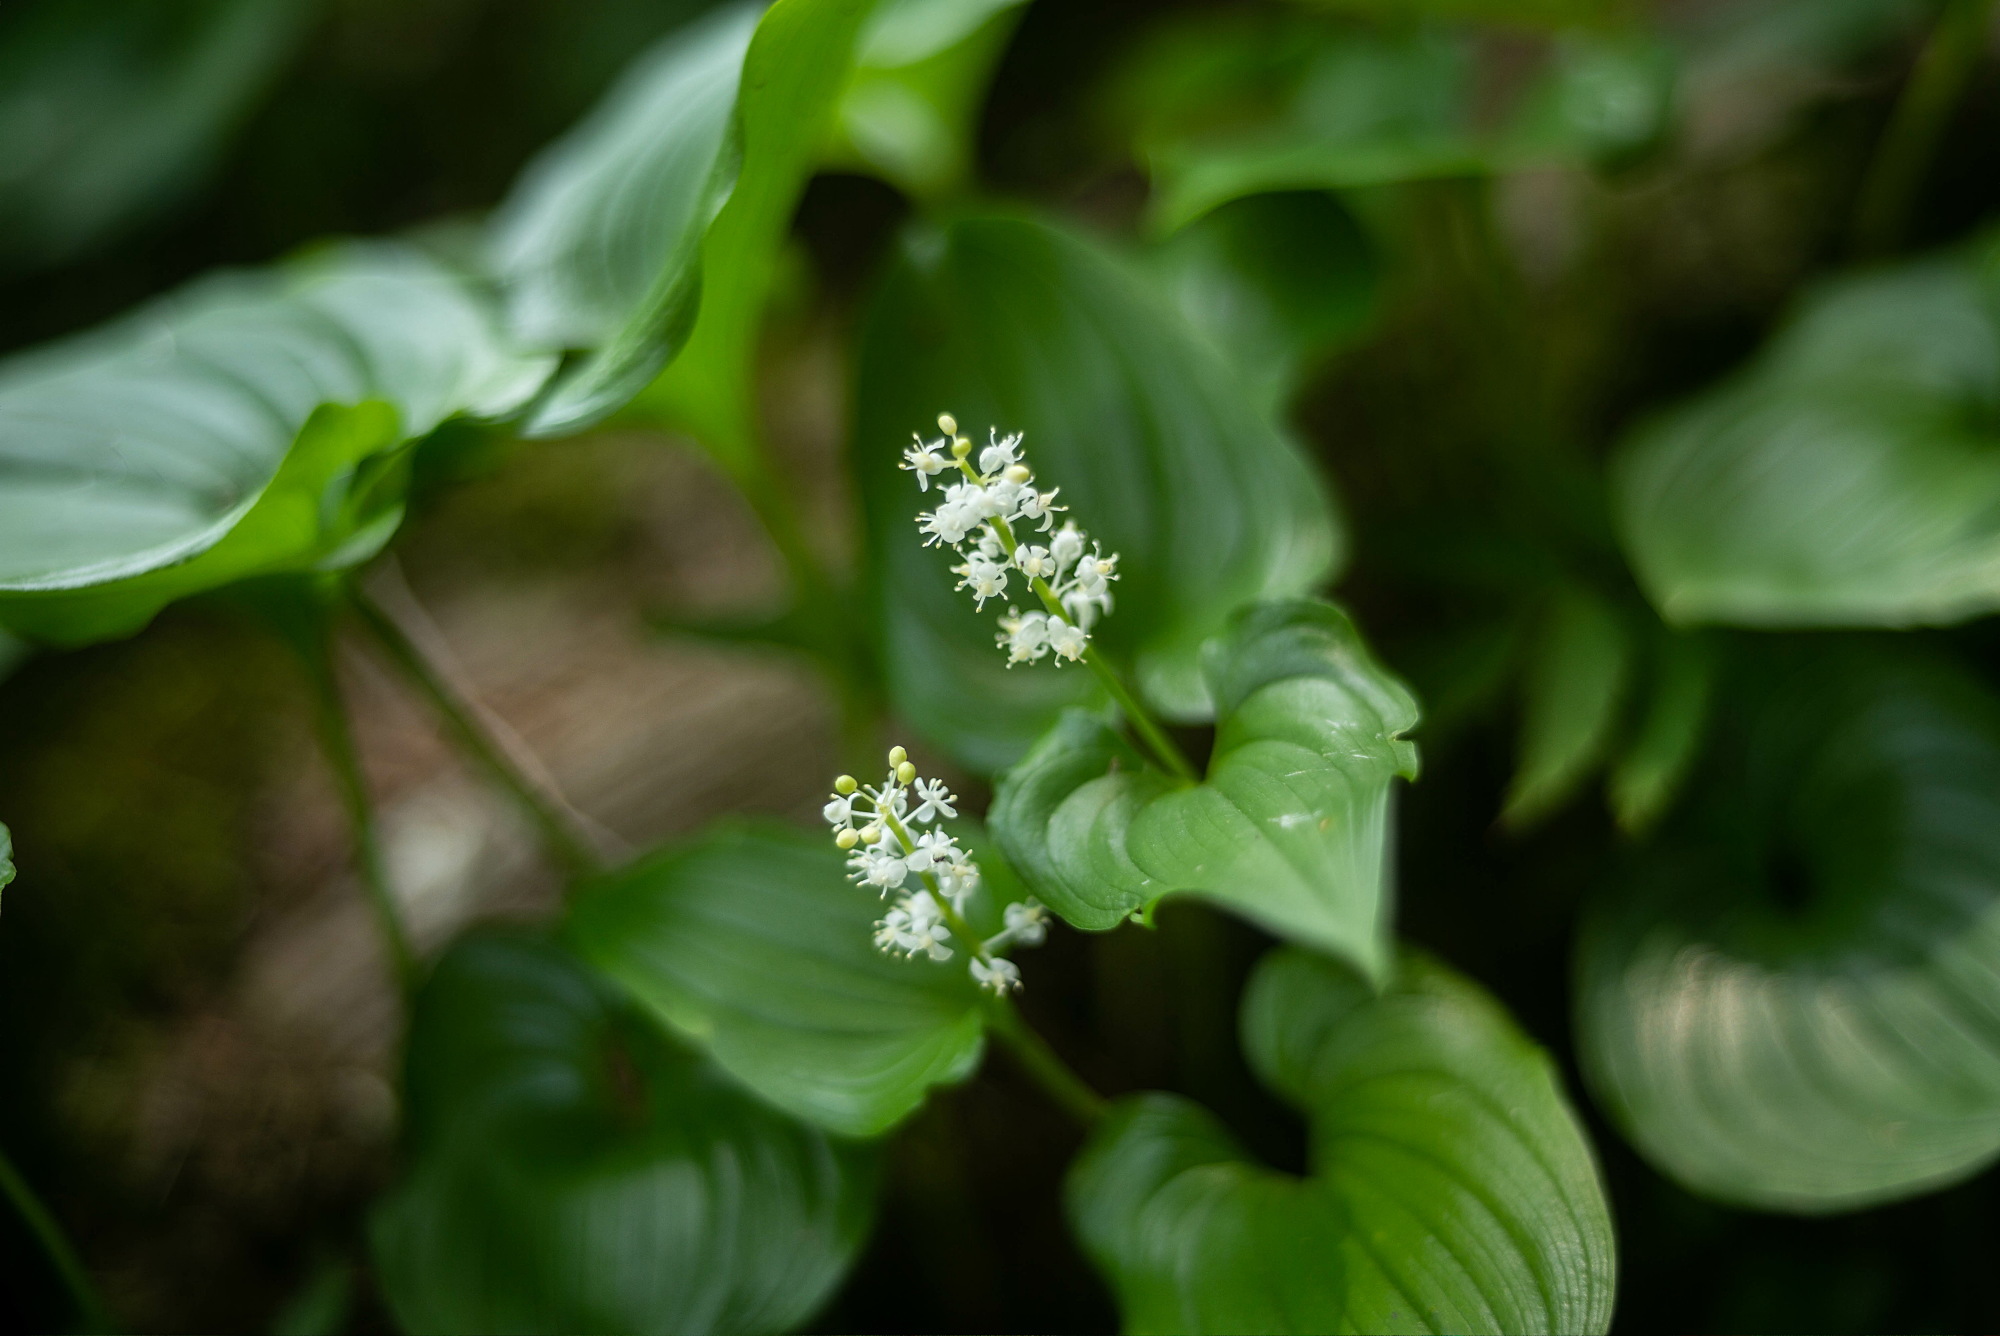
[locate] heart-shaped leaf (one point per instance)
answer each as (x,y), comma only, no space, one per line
(1157,448)
(1792,1001)
(598,248)
(250,425)
(571,1171)
(1449,1190)
(1850,477)
(1290,828)
(753,945)
(1274,281)
(918,83)
(792,76)
(112,110)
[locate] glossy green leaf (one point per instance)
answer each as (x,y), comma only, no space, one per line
(753,945)
(252,424)
(1274,282)
(792,77)
(1791,1000)
(1290,827)
(910,107)
(1849,477)
(1223,105)
(1574,689)
(1667,743)
(571,1171)
(1158,450)
(599,248)
(1450,1188)
(113,110)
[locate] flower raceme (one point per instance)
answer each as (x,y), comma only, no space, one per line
(975,517)
(887,843)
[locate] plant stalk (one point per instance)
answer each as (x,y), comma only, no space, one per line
(41,1222)
(337,737)
(1047,1070)
(1164,751)
(504,757)
(1909,144)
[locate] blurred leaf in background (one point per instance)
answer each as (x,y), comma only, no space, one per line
(113,111)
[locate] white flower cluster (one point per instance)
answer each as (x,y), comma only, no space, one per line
(886,844)
(1069,574)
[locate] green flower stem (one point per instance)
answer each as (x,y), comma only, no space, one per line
(1909,143)
(337,737)
(42,1224)
(1040,1062)
(562,827)
(1164,751)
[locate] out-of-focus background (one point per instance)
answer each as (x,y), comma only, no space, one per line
(198,1030)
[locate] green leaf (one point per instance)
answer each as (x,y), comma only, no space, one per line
(1792,1000)
(1290,828)
(6,857)
(792,76)
(599,246)
(1575,686)
(1449,1190)
(114,110)
(1650,773)
(1274,282)
(571,1171)
(1849,477)
(909,109)
(753,945)
(1158,450)
(1240,103)
(252,424)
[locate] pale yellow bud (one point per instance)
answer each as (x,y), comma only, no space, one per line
(897,756)
(961,447)
(1019,473)
(847,839)
(947,424)
(905,773)
(870,834)
(845,785)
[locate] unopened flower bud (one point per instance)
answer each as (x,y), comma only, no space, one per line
(870,834)
(845,785)
(905,773)
(897,756)
(847,839)
(961,446)
(1019,473)
(947,424)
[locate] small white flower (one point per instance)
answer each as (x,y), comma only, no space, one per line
(926,461)
(1066,639)
(1041,506)
(950,523)
(1001,975)
(1067,545)
(1093,571)
(1035,562)
(1027,922)
(839,813)
(881,867)
(1025,636)
(915,924)
(1000,454)
(984,577)
(934,848)
(933,800)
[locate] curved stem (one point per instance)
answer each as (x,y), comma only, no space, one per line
(337,737)
(41,1222)
(1910,141)
(503,756)
(1047,1070)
